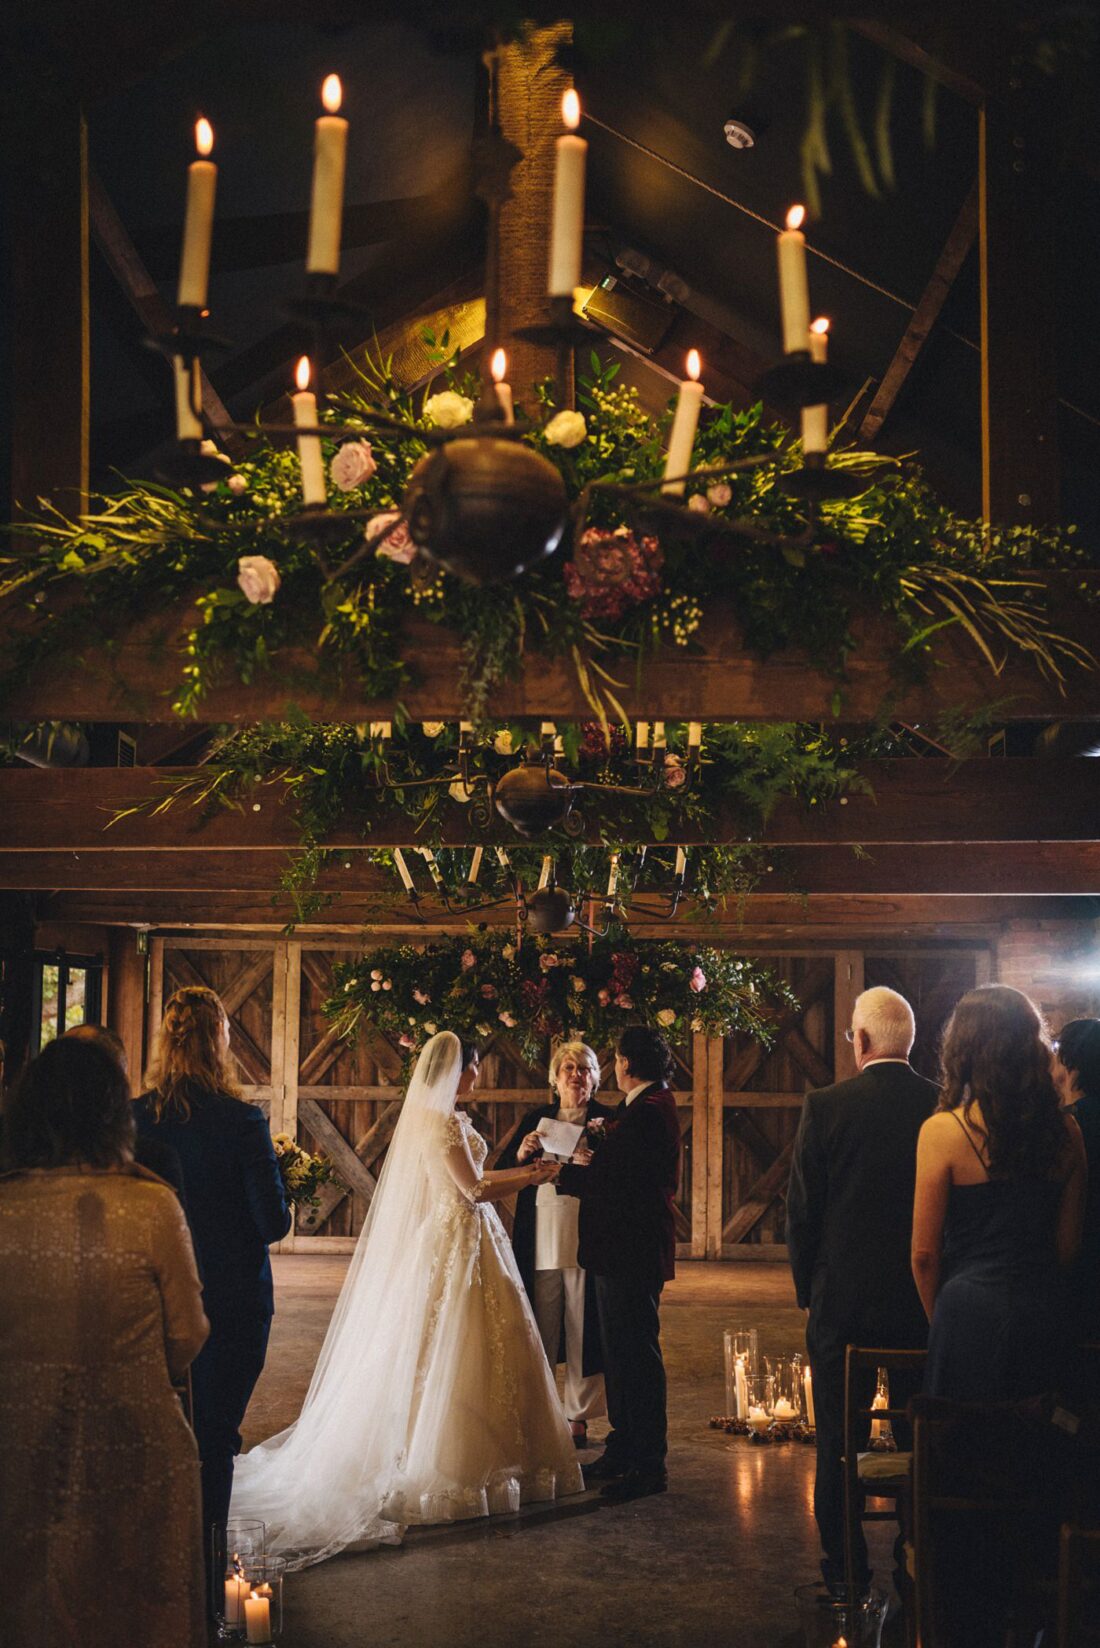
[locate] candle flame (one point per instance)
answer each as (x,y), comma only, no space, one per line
(204,135)
(301,373)
(694,365)
(571,110)
(820,325)
(796,217)
(499,365)
(332,93)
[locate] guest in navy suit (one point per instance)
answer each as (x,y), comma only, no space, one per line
(235,1206)
(628,1244)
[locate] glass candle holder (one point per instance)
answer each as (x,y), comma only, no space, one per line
(742,1359)
(787,1389)
(263,1606)
(238,1548)
(761,1399)
(828,1622)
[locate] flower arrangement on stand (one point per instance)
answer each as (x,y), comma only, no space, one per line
(483,984)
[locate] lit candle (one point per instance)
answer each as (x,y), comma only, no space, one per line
(188,424)
(330,143)
(758,1419)
(567,228)
(613,878)
(429,858)
(741,1389)
(475,865)
(544,877)
(236,1589)
(695,736)
(815,419)
(684,425)
(257,1618)
(641,738)
(503,860)
(198,222)
(681,863)
(658,735)
(879,1427)
(309,446)
(499,368)
(381,729)
(794,292)
(808,1398)
(784,1410)
(403,869)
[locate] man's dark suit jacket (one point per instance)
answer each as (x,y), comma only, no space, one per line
(626,1222)
(235,1201)
(850,1206)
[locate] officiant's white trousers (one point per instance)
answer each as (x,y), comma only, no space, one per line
(558,1292)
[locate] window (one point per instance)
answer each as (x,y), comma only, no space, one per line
(67,991)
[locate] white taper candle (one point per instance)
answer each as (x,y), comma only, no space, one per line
(304,403)
(794,291)
(198,222)
(567,225)
(326,210)
(684,424)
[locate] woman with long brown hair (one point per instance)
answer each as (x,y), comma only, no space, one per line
(997,1218)
(235,1205)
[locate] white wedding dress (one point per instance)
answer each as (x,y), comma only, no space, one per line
(432,1400)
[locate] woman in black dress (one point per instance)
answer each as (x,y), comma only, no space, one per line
(997,1218)
(1077,1078)
(235,1206)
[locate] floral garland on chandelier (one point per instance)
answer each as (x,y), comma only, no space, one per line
(531,989)
(636,576)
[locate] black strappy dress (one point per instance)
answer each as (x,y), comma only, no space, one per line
(1001,1314)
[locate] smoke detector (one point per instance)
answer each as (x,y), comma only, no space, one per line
(740,134)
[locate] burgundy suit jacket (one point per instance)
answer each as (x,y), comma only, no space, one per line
(627,1227)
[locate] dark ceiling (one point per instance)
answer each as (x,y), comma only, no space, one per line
(663,181)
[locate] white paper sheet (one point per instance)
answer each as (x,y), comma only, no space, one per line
(559,1139)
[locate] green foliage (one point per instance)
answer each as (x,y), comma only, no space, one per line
(485,984)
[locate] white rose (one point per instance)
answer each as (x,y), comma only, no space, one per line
(579,986)
(209,450)
(259,578)
(448,410)
(502,743)
(237,484)
(352,464)
(431,1029)
(484,1029)
(377,973)
(699,504)
(432,729)
(720,494)
(507,1019)
(666,1016)
(566,429)
(458,792)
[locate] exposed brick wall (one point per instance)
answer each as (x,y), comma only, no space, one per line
(1048,960)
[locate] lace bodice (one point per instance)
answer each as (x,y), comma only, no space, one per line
(474,1142)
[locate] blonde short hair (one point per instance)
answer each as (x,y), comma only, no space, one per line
(583,1054)
(888,1019)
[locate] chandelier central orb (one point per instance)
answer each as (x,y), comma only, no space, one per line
(534,797)
(551,910)
(485,508)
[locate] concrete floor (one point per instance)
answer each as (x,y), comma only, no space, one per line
(712,1562)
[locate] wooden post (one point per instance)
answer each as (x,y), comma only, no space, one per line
(1020,477)
(49,388)
(700,1141)
(126,973)
(847,985)
(530,85)
(715,1145)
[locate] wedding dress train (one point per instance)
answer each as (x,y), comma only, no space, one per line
(432,1400)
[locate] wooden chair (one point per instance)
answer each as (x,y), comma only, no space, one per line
(988,1480)
(874,1475)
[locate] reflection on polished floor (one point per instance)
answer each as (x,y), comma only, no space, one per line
(712,1562)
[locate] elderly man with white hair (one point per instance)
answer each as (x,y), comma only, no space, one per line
(849,1220)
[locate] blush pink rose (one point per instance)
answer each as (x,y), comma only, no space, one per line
(396,545)
(259,579)
(675,771)
(698,979)
(352,464)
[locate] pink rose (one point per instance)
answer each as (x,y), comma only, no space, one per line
(698,979)
(699,504)
(549,960)
(468,960)
(237,484)
(396,545)
(675,771)
(405,1041)
(603,997)
(488,991)
(259,578)
(422,997)
(624,1002)
(720,494)
(352,464)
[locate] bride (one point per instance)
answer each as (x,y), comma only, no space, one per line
(432,1399)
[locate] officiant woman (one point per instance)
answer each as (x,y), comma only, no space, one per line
(545,1241)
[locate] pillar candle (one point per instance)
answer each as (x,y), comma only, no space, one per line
(257,1618)
(741,1390)
(681,863)
(544,877)
(475,865)
(808,1395)
(794,292)
(236,1589)
(326,209)
(567,226)
(198,222)
(815,419)
(403,869)
(188,425)
(499,370)
(680,442)
(309,446)
(695,736)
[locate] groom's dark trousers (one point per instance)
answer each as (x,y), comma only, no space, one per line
(628,1247)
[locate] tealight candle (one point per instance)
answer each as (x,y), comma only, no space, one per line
(794,292)
(815,419)
(758,1419)
(198,222)
(686,421)
(785,1411)
(326,211)
(567,225)
(499,369)
(309,446)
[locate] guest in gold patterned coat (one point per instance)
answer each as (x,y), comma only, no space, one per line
(100,1309)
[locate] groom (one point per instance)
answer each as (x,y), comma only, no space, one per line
(628,1246)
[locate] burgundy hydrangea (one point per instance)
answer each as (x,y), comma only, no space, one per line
(613,571)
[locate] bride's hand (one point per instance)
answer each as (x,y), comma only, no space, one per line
(544,1172)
